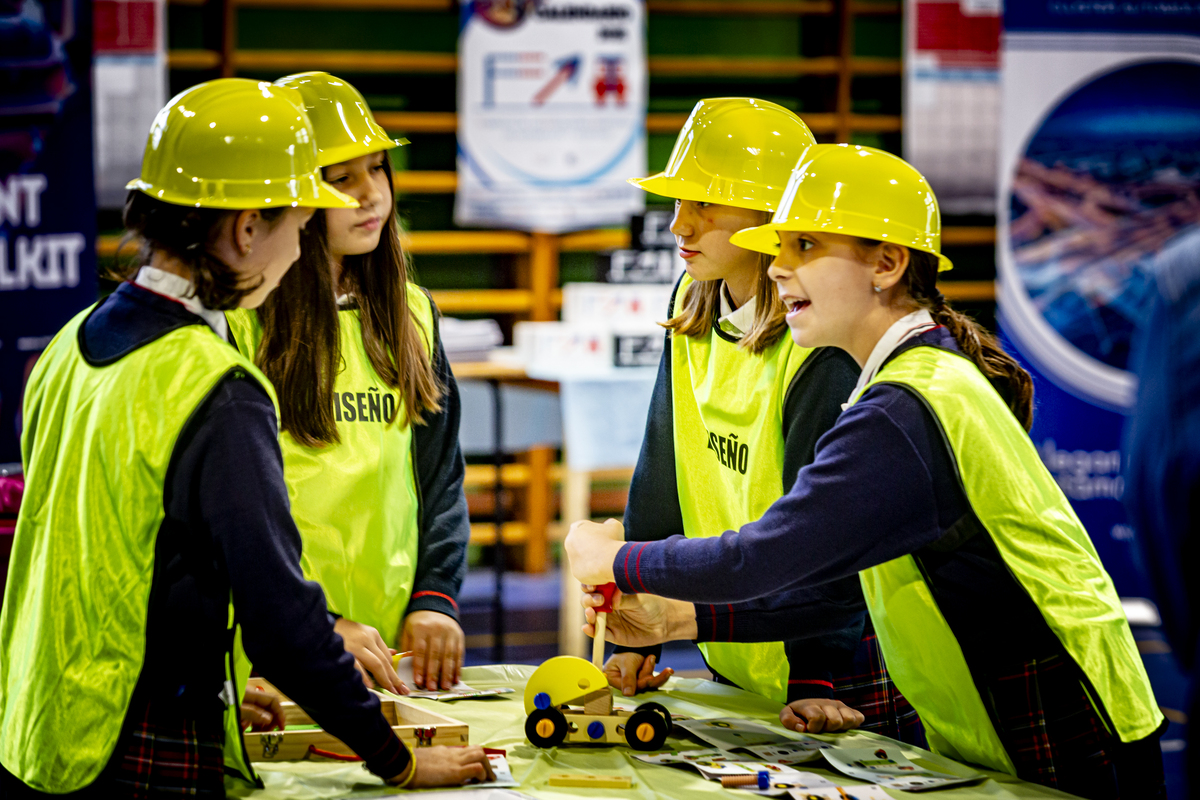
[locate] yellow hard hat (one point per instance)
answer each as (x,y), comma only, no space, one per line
(344,124)
(235,143)
(855,191)
(735,151)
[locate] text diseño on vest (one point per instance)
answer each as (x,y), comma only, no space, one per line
(730,452)
(368,406)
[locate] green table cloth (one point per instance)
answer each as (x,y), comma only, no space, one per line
(498,722)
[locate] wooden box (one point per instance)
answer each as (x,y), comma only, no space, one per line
(413,724)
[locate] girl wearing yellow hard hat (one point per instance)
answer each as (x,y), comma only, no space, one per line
(155,538)
(736,411)
(995,615)
(369,409)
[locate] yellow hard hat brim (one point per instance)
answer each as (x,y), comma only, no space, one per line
(760,238)
(336,155)
(680,189)
(765,239)
(325,197)
(329,197)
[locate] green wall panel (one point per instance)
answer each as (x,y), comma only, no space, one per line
(672,34)
(320,29)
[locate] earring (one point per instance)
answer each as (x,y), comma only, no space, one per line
(877,288)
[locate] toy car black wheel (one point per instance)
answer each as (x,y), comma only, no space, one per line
(646,730)
(666,715)
(546,727)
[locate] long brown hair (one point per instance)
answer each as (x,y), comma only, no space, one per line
(300,348)
(702,304)
(1002,371)
(186,232)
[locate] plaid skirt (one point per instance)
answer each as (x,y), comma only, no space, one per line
(866,687)
(1055,737)
(157,756)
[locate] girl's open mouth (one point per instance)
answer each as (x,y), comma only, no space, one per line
(794,306)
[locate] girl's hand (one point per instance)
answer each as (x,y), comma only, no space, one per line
(817,714)
(448,766)
(638,620)
(438,646)
(591,549)
(372,658)
(633,673)
(261,711)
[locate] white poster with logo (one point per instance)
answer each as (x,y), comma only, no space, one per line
(551,113)
(1099,178)
(952,99)
(129,79)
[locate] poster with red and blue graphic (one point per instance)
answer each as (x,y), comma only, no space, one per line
(47,199)
(551,113)
(1099,173)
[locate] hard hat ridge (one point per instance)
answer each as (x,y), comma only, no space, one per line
(341,118)
(736,151)
(855,191)
(237,144)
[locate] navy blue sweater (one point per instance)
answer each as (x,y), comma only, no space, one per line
(812,404)
(228,529)
(883,485)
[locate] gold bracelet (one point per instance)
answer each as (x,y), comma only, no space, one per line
(412,766)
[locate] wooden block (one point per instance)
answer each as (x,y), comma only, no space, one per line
(591,781)
(599,705)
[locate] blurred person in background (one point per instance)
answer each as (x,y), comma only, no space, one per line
(1163,446)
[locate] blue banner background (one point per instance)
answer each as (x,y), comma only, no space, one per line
(45,130)
(1094,16)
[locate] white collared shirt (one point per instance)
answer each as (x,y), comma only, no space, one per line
(736,320)
(901,331)
(181,290)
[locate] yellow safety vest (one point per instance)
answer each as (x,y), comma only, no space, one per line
(97,444)
(1044,546)
(356,502)
(728,416)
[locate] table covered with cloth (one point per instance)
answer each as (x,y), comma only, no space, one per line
(498,722)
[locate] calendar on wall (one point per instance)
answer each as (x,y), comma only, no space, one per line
(952,99)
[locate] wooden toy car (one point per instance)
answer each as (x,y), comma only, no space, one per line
(567,700)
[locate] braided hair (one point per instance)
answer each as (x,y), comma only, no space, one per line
(1007,376)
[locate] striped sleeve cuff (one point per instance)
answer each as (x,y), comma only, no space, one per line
(433,601)
(627,568)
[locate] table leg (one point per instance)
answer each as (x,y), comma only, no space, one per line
(498,548)
(576,505)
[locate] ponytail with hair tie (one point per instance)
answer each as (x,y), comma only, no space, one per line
(1002,371)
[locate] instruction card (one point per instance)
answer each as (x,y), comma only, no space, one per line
(785,755)
(460,690)
(841,793)
(717,764)
(728,733)
(887,766)
(504,777)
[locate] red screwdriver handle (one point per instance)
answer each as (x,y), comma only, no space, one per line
(607,591)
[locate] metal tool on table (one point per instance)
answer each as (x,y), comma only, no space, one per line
(601,622)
